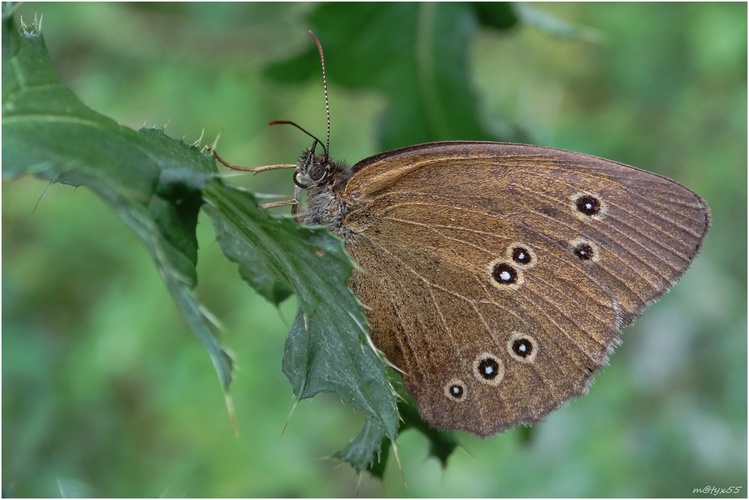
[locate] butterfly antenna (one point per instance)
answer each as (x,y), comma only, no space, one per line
(324,87)
(287,122)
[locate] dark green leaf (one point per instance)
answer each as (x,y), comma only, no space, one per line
(499,15)
(359,450)
(262,272)
(327,349)
(364,452)
(151,182)
(156,185)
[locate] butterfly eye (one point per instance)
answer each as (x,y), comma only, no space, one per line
(317,171)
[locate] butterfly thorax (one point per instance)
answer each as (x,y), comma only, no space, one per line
(325,181)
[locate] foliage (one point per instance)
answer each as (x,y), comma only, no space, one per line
(156,186)
(102,395)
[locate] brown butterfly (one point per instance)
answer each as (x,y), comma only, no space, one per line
(497,277)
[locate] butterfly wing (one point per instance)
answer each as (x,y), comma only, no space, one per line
(498,276)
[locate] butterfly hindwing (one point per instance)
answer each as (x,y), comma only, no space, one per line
(497,276)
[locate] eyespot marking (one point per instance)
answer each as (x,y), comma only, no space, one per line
(488,369)
(585,250)
(504,275)
(522,347)
(522,255)
(456,390)
(588,206)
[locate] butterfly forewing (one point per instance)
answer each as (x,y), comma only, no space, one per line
(497,276)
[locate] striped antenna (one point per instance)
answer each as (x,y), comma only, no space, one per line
(325,89)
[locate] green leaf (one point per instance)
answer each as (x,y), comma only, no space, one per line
(364,451)
(327,349)
(261,271)
(359,451)
(156,185)
(151,182)
(499,15)
(429,93)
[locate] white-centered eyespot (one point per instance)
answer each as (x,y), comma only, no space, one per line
(488,369)
(522,255)
(504,275)
(588,205)
(585,250)
(522,347)
(456,390)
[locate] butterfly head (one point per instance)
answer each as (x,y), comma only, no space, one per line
(317,171)
(324,180)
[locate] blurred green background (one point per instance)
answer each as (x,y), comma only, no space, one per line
(105,392)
